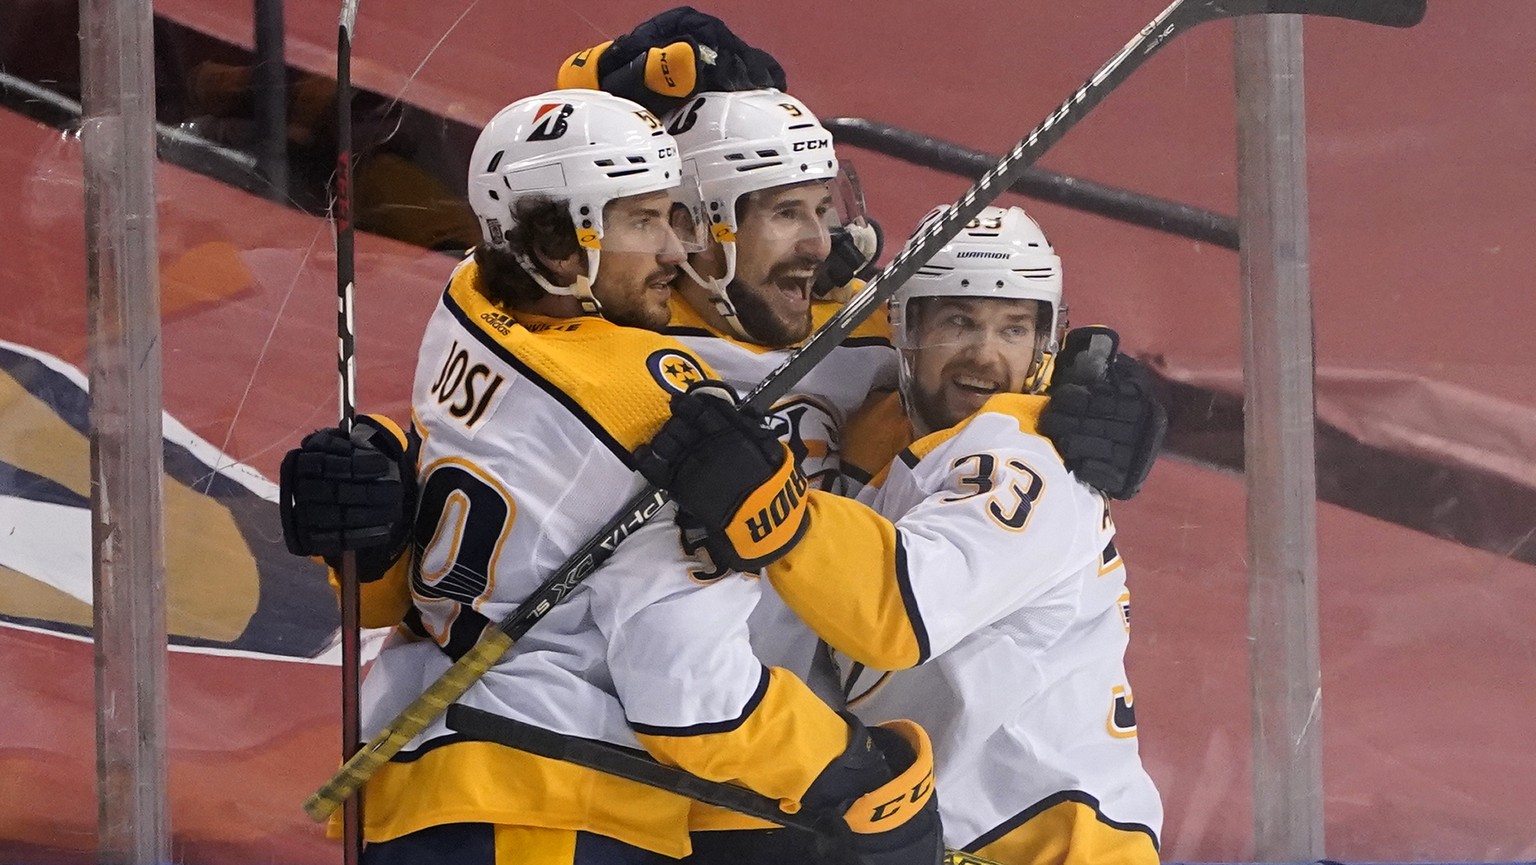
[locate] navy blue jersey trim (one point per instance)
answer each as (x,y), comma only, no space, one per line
(543,384)
(1047,803)
(711,726)
(909,600)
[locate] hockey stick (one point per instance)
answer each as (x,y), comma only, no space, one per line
(612,760)
(494,642)
(346,366)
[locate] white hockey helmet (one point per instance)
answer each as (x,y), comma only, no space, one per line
(1002,253)
(583,147)
(741,142)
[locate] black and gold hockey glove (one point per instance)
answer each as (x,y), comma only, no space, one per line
(670,57)
(339,493)
(1102,416)
(855,249)
(729,472)
(878,797)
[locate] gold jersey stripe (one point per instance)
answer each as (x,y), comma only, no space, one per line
(481,782)
(1023,407)
(868,612)
(593,367)
(1067,829)
(791,723)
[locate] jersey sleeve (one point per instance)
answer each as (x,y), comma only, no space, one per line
(1002,528)
(692,689)
(382,603)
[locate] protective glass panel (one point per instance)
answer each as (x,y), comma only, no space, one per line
(1426,396)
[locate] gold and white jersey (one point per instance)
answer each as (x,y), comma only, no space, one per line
(528,427)
(996,571)
(810,420)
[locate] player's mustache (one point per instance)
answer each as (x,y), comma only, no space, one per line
(973,369)
(667,274)
(800,263)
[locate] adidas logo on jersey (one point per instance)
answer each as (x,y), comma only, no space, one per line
(498,321)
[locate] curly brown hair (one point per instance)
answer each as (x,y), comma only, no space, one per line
(540,226)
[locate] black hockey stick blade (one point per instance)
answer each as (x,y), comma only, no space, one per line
(1386,13)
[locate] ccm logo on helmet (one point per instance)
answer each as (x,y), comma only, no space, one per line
(770,518)
(813,144)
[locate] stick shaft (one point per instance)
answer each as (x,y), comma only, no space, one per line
(1179,16)
(612,760)
(346,369)
(410,722)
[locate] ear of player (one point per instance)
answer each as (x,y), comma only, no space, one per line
(1103,417)
(729,471)
(670,57)
(882,786)
(340,492)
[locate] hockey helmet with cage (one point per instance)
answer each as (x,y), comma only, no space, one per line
(741,142)
(581,147)
(1001,254)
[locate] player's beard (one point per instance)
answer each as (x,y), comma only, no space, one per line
(947,404)
(644,308)
(757,315)
(930,410)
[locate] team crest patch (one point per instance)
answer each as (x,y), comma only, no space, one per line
(673,370)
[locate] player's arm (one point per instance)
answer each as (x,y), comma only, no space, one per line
(357,492)
(891,595)
(698,698)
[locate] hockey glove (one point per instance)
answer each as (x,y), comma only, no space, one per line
(879,797)
(670,57)
(730,472)
(339,493)
(1102,416)
(855,249)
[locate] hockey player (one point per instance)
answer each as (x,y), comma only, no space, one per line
(743,302)
(540,372)
(976,560)
(742,297)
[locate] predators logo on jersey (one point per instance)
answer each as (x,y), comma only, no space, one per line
(673,370)
(809,427)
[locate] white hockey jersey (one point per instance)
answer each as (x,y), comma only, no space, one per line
(810,420)
(996,571)
(528,425)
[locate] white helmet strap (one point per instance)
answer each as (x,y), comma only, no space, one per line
(581,289)
(719,298)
